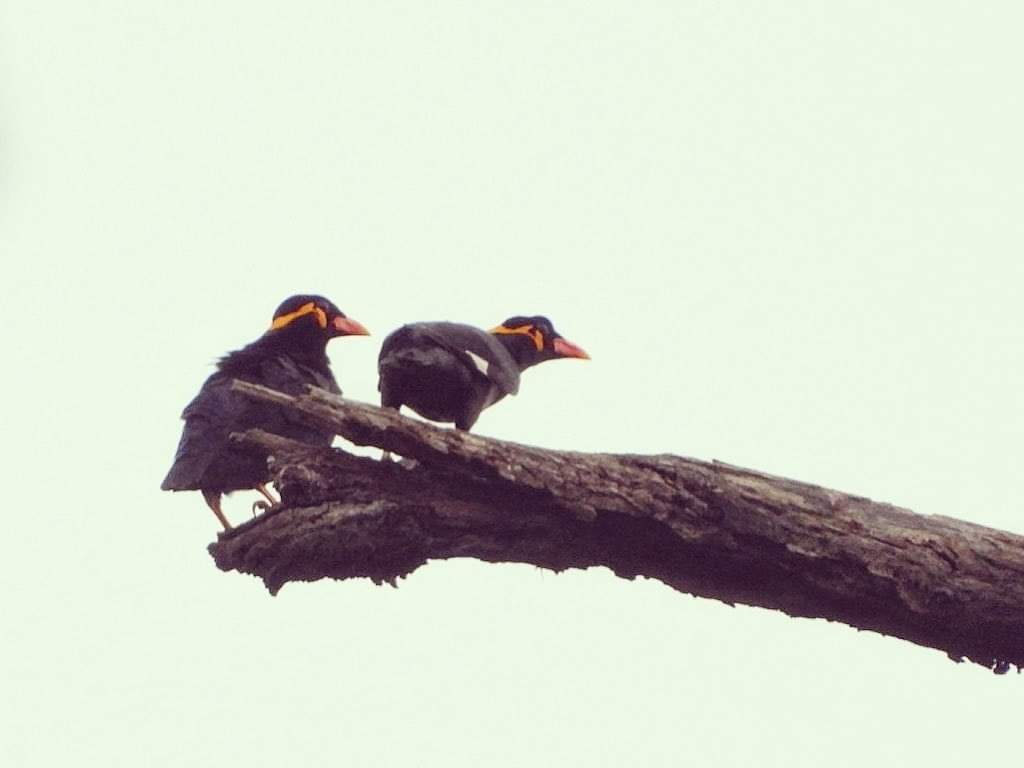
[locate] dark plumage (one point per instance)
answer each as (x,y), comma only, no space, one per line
(289,356)
(450,372)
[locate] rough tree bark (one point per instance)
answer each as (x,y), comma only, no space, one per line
(710,529)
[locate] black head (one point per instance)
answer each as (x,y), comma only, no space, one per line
(534,339)
(312,315)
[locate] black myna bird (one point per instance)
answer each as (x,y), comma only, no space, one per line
(289,356)
(450,372)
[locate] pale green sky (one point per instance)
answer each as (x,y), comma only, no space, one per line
(790,235)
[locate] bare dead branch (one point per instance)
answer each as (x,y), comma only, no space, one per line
(710,529)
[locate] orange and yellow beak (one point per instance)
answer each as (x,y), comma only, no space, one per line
(346,326)
(565,348)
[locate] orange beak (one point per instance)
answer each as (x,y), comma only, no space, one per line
(565,348)
(346,326)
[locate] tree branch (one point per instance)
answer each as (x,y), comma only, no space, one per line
(710,529)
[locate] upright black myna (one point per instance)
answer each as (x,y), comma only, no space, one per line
(289,356)
(450,372)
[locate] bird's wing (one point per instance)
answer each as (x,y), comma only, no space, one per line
(217,411)
(476,349)
(208,419)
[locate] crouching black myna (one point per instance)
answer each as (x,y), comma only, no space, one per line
(289,356)
(451,372)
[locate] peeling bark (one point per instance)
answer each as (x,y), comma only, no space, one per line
(709,529)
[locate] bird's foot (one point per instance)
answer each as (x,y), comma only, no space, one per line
(264,507)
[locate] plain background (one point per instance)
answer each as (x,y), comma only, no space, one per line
(789,234)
